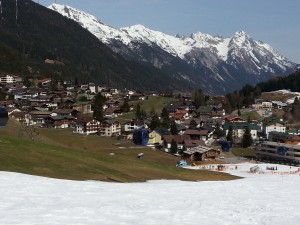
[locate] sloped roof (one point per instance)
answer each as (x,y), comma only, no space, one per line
(199,149)
(205,109)
(68,117)
(63,111)
(240,126)
(84,119)
(162,131)
(169,138)
(194,143)
(40,113)
(196,132)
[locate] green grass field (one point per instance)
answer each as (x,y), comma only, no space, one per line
(244,152)
(156,103)
(62,154)
(153,102)
(252,115)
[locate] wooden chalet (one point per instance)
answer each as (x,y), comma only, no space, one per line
(60,121)
(197,134)
(87,125)
(201,153)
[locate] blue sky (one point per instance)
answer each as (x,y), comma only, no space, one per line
(275,22)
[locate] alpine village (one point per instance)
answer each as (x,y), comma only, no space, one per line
(62,90)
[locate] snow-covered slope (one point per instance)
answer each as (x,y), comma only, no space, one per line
(264,199)
(222,58)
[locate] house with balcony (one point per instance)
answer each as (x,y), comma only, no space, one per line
(38,117)
(134,124)
(110,128)
(238,130)
(273,124)
(156,136)
(87,125)
(60,122)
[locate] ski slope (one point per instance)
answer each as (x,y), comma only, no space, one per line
(263,199)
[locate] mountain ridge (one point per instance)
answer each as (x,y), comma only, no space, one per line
(219,61)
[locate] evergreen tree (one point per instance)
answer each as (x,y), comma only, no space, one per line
(152,111)
(199,98)
(227,106)
(165,115)
(138,111)
(76,82)
(125,107)
(249,119)
(218,132)
(98,107)
(247,138)
(174,147)
(154,122)
(295,109)
(165,118)
(27,82)
(239,112)
(143,114)
(182,150)
(229,136)
(173,128)
(83,98)
(193,124)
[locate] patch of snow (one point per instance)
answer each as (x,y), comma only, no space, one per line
(223,48)
(284,91)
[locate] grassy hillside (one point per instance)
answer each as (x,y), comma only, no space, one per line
(61,154)
(153,102)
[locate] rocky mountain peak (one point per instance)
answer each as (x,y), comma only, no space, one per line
(223,60)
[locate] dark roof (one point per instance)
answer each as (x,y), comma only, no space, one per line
(169,138)
(64,111)
(40,113)
(84,119)
(205,109)
(194,143)
(196,132)
(110,121)
(62,117)
(19,114)
(272,120)
(240,126)
(162,131)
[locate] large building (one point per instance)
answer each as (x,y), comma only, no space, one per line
(278,151)
(10,79)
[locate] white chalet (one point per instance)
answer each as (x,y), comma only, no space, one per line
(87,126)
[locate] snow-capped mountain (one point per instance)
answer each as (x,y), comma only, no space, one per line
(213,61)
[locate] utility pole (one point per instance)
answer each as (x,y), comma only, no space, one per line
(1,11)
(1,7)
(17,12)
